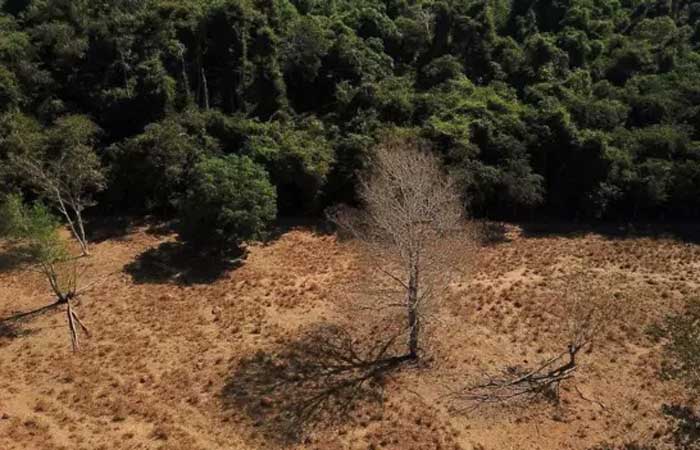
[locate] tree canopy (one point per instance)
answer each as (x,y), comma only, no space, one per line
(577,108)
(230,200)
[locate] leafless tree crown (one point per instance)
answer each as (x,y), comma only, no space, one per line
(411,228)
(68,182)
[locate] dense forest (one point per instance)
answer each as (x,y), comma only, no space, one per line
(577,109)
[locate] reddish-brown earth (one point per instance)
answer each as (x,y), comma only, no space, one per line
(188,355)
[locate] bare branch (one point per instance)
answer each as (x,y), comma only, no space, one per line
(585,313)
(67,181)
(411,230)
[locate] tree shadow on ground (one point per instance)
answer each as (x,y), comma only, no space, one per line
(682,432)
(11,331)
(179,263)
(314,382)
(105,228)
(493,233)
(11,260)
(187,264)
(284,225)
(683,232)
(11,326)
(686,431)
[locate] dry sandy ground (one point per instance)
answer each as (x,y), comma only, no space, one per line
(187,353)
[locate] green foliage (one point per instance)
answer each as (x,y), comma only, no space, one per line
(297,157)
(67,163)
(580,108)
(229,200)
(59,158)
(440,70)
(152,170)
(10,93)
(34,229)
(303,48)
(20,135)
(483,133)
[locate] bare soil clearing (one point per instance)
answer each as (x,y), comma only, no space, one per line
(190,353)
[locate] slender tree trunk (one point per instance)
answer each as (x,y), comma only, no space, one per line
(125,73)
(413,318)
(50,273)
(185,78)
(198,73)
(205,91)
(79,234)
(198,91)
(242,75)
(81,229)
(675,9)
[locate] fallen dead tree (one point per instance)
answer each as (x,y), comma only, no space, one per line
(585,314)
(522,384)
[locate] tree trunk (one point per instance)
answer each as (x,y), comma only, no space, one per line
(240,86)
(675,9)
(78,234)
(205,91)
(185,78)
(125,73)
(413,339)
(413,319)
(83,238)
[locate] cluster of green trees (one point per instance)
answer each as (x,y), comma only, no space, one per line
(242,109)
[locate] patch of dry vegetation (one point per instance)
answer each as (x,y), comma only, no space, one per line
(165,356)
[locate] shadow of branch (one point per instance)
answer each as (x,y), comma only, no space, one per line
(10,327)
(314,382)
(10,331)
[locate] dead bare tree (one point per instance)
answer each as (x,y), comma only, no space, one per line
(584,314)
(411,230)
(68,172)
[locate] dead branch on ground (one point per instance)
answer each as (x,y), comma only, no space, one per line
(586,313)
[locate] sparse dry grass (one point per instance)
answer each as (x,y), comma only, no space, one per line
(154,374)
